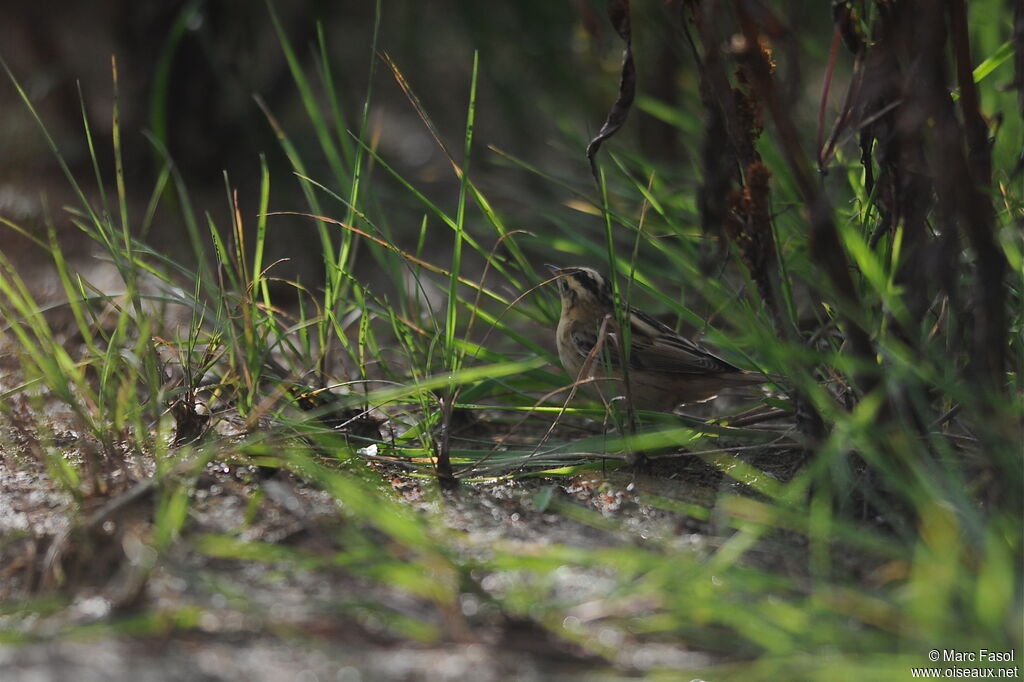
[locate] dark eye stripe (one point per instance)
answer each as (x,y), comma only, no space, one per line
(595,284)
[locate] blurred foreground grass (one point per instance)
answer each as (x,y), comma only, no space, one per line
(231,438)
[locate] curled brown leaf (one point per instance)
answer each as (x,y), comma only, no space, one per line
(618,14)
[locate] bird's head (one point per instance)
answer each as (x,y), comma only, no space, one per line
(584,289)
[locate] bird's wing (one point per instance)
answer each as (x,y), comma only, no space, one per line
(657,347)
(654,347)
(674,354)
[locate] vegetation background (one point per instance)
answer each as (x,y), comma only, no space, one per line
(279,391)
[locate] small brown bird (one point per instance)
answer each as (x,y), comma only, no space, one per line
(664,369)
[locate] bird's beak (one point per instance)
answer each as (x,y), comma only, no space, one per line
(554,268)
